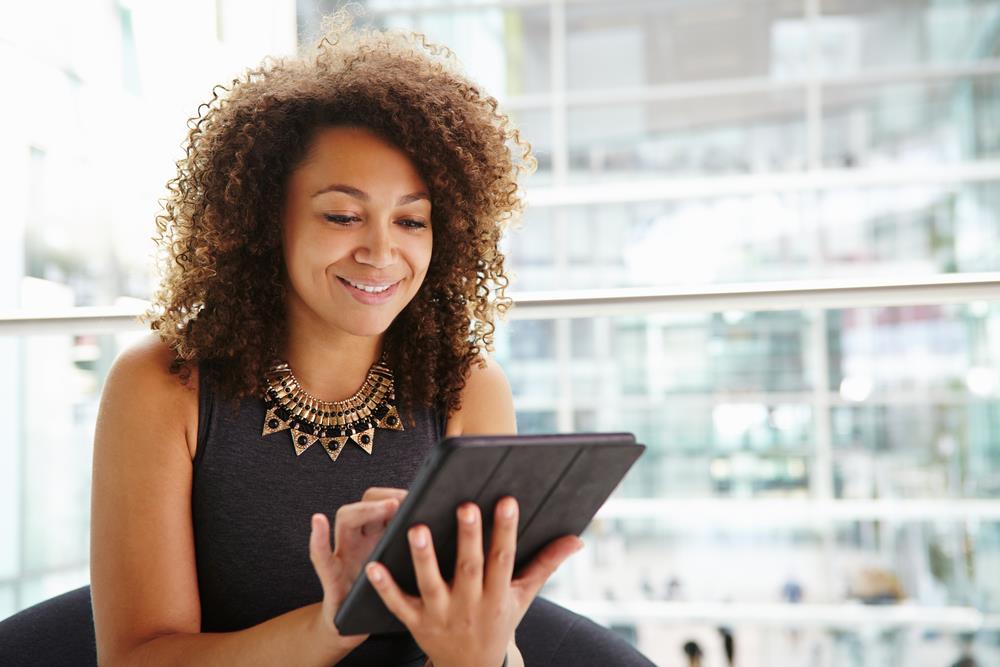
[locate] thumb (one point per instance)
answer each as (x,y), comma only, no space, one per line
(536,573)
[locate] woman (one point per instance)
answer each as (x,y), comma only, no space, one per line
(330,280)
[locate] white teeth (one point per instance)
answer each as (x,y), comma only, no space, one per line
(371,289)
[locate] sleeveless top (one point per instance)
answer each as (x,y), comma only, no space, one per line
(251,503)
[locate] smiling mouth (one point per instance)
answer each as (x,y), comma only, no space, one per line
(370,289)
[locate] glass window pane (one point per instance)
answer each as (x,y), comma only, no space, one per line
(53,393)
(728,403)
(681,570)
(8,606)
(504,49)
(858,35)
(733,134)
(723,403)
(649,42)
(923,123)
(87,167)
(915,412)
(37,589)
(535,128)
(838,233)
(535,421)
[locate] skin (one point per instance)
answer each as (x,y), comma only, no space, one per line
(144,579)
(333,339)
(382,239)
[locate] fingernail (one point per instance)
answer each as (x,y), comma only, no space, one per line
(508,509)
(418,538)
(374,573)
(467,515)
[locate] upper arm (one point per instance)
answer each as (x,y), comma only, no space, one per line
(487,404)
(142,563)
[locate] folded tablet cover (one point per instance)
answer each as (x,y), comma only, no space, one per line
(560,481)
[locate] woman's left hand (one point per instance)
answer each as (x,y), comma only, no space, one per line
(471,621)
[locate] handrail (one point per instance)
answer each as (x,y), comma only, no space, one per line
(685,188)
(751,297)
(756,512)
(801,615)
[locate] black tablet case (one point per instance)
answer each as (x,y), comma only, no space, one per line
(560,481)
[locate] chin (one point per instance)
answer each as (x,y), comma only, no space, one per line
(366,327)
(363,331)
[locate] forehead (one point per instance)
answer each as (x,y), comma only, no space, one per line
(349,154)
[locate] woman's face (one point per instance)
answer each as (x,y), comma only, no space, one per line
(356,232)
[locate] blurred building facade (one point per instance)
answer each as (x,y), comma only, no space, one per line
(823,482)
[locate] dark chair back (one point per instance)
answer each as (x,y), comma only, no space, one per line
(56,632)
(60,632)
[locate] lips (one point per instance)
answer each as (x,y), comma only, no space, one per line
(370,286)
(369,298)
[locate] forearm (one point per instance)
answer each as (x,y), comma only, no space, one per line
(293,638)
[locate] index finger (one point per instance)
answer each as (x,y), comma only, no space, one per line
(356,515)
(384,493)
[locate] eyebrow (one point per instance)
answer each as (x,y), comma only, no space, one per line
(363,196)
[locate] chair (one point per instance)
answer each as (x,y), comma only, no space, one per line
(60,631)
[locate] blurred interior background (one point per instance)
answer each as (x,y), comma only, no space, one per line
(764,235)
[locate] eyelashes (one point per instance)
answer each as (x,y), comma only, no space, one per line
(345,220)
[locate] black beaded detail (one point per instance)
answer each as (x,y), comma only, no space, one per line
(290,407)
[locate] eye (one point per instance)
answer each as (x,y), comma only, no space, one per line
(341,219)
(412,224)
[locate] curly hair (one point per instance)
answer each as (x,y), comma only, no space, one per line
(222,292)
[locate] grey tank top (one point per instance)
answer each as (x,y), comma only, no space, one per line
(251,504)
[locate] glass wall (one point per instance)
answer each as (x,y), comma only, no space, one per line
(97,96)
(695,145)
(821,485)
(51,410)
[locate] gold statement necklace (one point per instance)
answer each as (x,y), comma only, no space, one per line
(331,423)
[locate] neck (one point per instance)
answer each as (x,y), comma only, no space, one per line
(330,365)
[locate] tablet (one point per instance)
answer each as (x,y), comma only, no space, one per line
(560,481)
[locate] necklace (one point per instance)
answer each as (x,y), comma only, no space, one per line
(331,423)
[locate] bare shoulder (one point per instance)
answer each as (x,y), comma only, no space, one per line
(140,375)
(150,356)
(487,402)
(143,570)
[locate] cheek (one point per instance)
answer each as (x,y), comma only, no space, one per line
(428,248)
(303,260)
(312,253)
(419,255)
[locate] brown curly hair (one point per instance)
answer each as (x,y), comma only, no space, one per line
(221,297)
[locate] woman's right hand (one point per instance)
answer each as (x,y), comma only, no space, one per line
(357,528)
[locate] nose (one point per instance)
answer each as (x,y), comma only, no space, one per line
(377,248)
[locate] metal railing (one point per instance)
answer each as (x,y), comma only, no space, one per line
(798,295)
